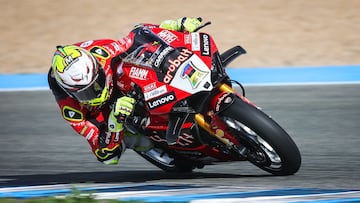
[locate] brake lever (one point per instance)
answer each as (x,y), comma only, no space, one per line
(136,122)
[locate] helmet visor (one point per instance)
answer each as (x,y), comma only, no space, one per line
(94,90)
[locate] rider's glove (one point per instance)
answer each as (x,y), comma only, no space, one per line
(182,24)
(122,108)
(110,148)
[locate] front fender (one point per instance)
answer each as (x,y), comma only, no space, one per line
(222,101)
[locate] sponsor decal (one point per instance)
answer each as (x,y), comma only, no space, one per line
(109,50)
(121,85)
(163,100)
(112,126)
(189,153)
(157,138)
(221,134)
(223,99)
(185,139)
(107,138)
(68,60)
(117,137)
(155,92)
(167,36)
(205,45)
(175,64)
(100,52)
(83,130)
(125,43)
(86,44)
(194,75)
(187,38)
(160,58)
(72,114)
(195,41)
(109,135)
(90,134)
(116,46)
(150,87)
(138,73)
(228,100)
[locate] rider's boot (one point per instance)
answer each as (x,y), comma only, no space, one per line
(144,146)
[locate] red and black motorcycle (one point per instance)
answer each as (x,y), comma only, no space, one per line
(187,105)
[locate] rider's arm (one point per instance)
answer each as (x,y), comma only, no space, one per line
(92,127)
(105,145)
(71,110)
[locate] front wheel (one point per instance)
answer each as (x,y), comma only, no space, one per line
(269,145)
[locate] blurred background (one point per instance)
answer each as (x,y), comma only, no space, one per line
(275,33)
(323,120)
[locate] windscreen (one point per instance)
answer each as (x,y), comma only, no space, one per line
(148,49)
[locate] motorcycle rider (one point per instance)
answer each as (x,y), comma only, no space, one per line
(81,79)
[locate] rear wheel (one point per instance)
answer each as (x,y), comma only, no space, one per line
(268,145)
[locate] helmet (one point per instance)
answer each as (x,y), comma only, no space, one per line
(80,75)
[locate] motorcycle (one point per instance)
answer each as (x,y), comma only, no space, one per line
(188,106)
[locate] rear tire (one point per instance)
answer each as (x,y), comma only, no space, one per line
(267,132)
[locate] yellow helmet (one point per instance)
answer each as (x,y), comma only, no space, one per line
(80,75)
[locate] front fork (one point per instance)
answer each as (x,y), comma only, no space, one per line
(219,132)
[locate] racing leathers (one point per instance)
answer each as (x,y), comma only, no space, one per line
(98,123)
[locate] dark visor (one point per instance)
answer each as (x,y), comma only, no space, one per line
(93,90)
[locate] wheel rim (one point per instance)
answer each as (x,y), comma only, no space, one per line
(262,153)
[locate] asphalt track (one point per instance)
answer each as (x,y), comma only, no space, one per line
(37,147)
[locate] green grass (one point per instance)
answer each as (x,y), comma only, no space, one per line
(76,197)
(62,200)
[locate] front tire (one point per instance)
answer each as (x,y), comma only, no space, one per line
(269,145)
